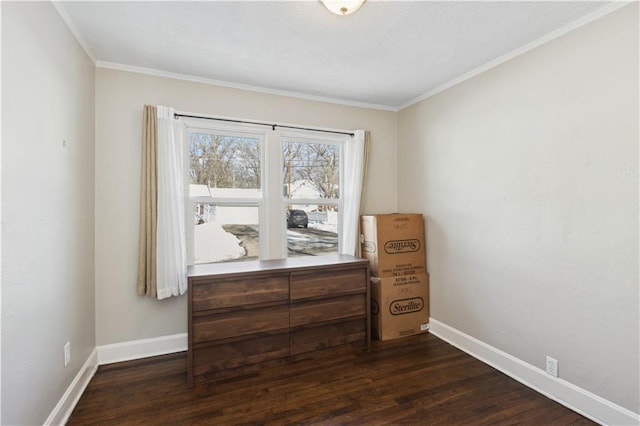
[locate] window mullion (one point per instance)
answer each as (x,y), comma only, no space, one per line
(275,247)
(313,161)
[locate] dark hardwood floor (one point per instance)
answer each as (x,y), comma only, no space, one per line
(418,380)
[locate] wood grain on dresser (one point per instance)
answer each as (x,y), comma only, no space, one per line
(243,315)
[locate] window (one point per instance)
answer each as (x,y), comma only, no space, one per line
(311,177)
(258,193)
(225,175)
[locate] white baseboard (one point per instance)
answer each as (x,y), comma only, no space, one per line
(143,348)
(108,354)
(67,403)
(577,399)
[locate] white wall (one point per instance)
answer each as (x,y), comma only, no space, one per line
(121,314)
(528,177)
(47,208)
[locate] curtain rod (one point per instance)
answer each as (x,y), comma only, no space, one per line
(273,126)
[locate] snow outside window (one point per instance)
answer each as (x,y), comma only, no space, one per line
(311,177)
(258,193)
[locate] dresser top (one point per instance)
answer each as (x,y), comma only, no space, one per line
(290,264)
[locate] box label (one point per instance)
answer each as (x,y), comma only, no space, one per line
(406,306)
(394,244)
(399,306)
(401,246)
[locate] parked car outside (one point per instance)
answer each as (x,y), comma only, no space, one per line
(297,219)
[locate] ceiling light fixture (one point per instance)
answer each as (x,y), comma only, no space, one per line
(342,7)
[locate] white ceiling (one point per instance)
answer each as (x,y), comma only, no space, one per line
(386,55)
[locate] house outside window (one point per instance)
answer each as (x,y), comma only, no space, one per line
(311,181)
(258,193)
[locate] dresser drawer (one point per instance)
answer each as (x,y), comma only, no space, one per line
(329,283)
(222,293)
(244,316)
(326,336)
(304,313)
(214,359)
(240,323)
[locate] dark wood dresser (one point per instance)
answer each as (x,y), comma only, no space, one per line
(245,315)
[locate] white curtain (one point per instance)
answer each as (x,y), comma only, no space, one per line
(171,236)
(354,166)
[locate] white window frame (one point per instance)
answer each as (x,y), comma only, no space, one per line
(271,202)
(323,139)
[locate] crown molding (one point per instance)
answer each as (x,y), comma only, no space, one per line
(593,16)
(203,80)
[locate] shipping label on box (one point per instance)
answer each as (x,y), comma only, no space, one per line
(394,244)
(399,306)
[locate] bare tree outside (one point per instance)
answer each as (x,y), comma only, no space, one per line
(316,163)
(223,161)
(229,230)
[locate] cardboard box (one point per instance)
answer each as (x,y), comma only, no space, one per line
(399,306)
(394,244)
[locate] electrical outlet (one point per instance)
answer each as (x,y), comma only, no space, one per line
(552,366)
(67,353)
